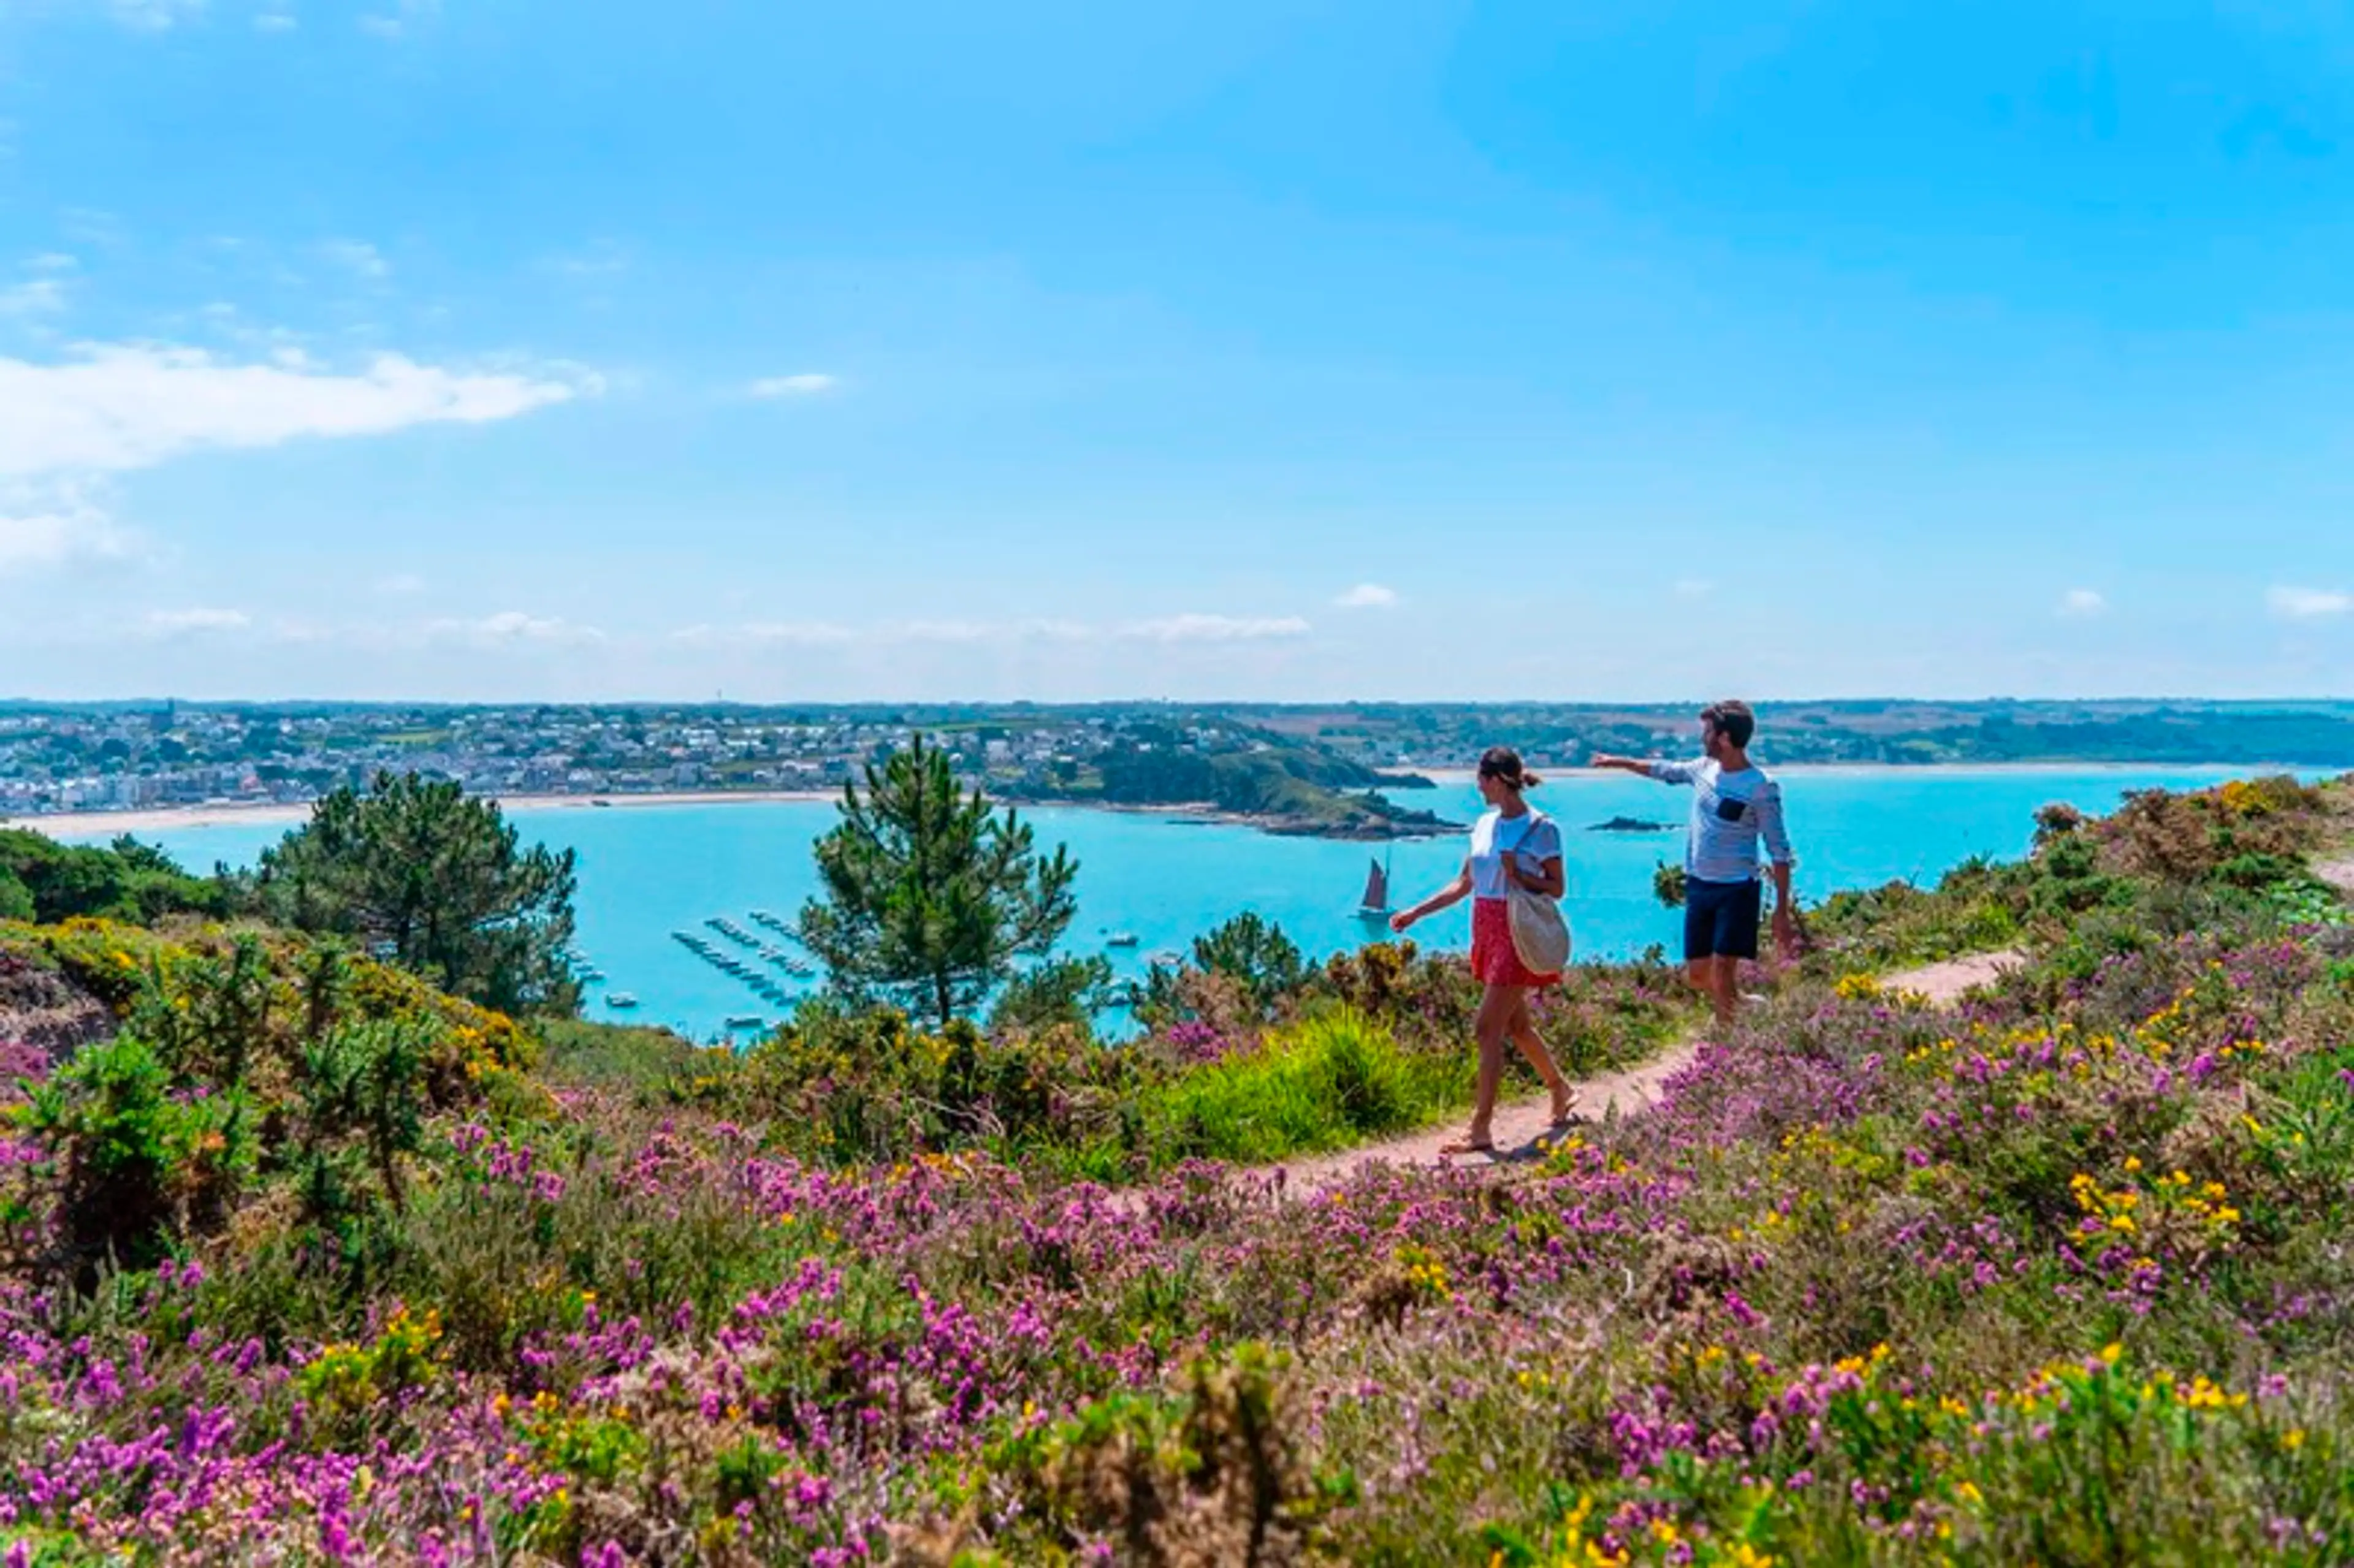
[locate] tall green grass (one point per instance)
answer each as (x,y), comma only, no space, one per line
(1327,1082)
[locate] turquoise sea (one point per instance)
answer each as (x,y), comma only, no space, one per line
(647,870)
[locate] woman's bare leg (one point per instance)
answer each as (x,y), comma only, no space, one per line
(1532,1046)
(1493,1025)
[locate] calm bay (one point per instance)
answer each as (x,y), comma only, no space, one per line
(646,871)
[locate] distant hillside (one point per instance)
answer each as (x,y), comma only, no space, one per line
(1284,788)
(1900,732)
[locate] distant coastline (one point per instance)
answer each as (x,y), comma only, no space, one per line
(151,819)
(224,813)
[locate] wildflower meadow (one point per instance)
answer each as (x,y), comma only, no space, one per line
(307,1263)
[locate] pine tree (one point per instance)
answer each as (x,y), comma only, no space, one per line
(438,882)
(931,896)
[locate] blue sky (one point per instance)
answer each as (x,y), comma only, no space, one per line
(513,349)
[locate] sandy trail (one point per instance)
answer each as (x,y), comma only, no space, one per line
(2338,873)
(1521,1123)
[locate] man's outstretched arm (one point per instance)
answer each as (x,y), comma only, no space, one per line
(1650,767)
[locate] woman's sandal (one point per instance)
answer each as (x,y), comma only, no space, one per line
(1566,1114)
(1468,1146)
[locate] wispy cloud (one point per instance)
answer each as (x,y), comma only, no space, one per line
(1173,628)
(398,23)
(1368,596)
(1693,587)
(189,622)
(807,383)
(400,583)
(154,15)
(600,259)
(359,257)
(32,297)
(130,406)
(2310,603)
(59,529)
(1217,628)
(514,628)
(274,22)
(2083,603)
(769,634)
(91,226)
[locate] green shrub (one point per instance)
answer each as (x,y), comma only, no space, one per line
(136,1165)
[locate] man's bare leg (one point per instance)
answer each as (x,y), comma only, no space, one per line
(1715,978)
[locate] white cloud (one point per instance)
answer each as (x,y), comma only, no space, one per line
(514,628)
(2083,602)
(1217,628)
(809,383)
(185,623)
(124,407)
(61,530)
(360,257)
(2310,604)
(274,22)
(1368,596)
(1693,587)
(51,261)
(400,583)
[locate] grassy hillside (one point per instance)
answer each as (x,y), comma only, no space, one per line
(2058,1277)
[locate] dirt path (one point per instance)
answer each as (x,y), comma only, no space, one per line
(2338,873)
(1521,1123)
(1944,983)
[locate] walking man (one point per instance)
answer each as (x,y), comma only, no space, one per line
(1735,807)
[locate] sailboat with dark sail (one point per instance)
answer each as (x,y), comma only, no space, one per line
(1376,904)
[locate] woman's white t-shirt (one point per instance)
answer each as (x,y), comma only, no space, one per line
(1532,836)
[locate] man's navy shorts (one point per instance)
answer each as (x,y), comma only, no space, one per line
(1720,918)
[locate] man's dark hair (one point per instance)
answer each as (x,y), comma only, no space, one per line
(1732,720)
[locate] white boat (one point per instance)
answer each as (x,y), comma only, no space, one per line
(620,999)
(744,1021)
(1120,940)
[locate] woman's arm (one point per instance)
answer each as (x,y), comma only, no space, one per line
(1454,892)
(1552,879)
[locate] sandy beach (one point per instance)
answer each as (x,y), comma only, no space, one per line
(75,824)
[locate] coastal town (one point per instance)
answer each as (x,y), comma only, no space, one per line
(66,759)
(124,757)
(1311,768)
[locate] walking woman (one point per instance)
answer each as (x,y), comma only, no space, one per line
(1510,846)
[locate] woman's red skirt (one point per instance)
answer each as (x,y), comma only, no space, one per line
(1494,959)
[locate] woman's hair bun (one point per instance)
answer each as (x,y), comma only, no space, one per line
(1502,762)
